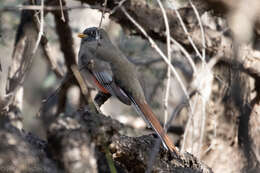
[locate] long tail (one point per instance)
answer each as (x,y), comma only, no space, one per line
(146,112)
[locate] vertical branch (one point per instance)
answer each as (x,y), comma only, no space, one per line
(204,65)
(169,52)
(202,31)
(187,55)
(102,15)
(26,44)
(66,45)
(186,32)
(61,11)
(65,37)
(41,28)
(3,84)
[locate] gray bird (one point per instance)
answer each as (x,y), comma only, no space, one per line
(109,70)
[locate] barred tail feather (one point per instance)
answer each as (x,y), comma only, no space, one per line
(146,112)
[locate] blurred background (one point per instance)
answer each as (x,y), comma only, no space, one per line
(216,131)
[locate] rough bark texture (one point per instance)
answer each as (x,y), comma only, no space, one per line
(21,151)
(78,143)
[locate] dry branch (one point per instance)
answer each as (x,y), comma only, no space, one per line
(130,154)
(66,45)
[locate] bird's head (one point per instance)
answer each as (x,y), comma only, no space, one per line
(92,34)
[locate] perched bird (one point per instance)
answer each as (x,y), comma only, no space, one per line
(110,71)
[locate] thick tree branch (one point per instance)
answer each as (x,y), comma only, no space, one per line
(76,133)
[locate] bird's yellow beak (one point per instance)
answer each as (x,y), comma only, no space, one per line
(81,35)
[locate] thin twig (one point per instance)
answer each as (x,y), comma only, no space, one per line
(54,67)
(169,52)
(187,128)
(175,112)
(61,10)
(204,96)
(48,8)
(54,93)
(187,55)
(103,13)
(204,65)
(202,31)
(186,31)
(100,23)
(83,87)
(41,28)
(46,48)
(119,5)
(203,124)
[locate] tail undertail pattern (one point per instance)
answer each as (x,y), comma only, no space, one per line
(147,114)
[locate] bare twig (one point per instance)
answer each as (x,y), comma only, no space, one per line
(41,28)
(101,20)
(53,94)
(187,55)
(61,10)
(204,65)
(203,124)
(66,45)
(169,52)
(202,83)
(186,31)
(175,112)
(81,82)
(48,8)
(202,31)
(54,67)
(119,5)
(188,125)
(46,48)
(103,13)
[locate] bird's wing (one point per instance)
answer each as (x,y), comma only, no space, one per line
(103,75)
(105,82)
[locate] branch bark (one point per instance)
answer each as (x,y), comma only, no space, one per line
(71,138)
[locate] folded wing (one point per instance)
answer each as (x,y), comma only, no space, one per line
(105,81)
